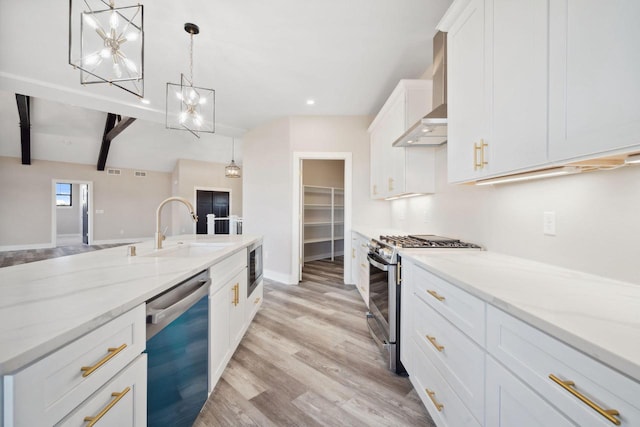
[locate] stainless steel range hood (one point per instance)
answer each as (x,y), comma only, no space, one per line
(431,130)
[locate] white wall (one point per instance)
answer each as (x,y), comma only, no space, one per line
(267,197)
(68,220)
(597,218)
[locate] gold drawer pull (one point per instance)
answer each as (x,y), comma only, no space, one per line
(88,370)
(257,300)
(433,342)
(93,420)
(435,295)
(568,385)
(432,395)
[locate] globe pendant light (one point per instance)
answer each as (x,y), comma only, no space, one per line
(106,43)
(189,107)
(232,170)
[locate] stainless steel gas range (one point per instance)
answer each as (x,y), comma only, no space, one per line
(385,287)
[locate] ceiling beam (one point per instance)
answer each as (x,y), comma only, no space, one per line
(113,127)
(24,111)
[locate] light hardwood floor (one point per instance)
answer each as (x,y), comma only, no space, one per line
(308,360)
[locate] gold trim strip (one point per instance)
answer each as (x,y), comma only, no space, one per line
(435,295)
(433,342)
(111,352)
(93,420)
(568,385)
(432,395)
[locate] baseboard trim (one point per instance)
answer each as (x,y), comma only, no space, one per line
(286,279)
(68,235)
(123,241)
(8,248)
(322,256)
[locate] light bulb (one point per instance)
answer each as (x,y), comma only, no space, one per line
(179,95)
(91,59)
(183,117)
(203,101)
(130,65)
(105,53)
(132,36)
(90,21)
(117,70)
(197,120)
(114,21)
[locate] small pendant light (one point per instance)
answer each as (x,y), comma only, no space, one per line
(232,170)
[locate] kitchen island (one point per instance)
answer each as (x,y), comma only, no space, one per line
(46,305)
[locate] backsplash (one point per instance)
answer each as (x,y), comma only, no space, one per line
(597,218)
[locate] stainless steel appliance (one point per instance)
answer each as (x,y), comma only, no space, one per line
(385,288)
(178,353)
(254,263)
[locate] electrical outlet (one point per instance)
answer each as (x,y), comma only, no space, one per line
(549,223)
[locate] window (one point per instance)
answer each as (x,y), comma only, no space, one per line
(63,194)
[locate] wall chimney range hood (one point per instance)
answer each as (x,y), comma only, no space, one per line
(431,130)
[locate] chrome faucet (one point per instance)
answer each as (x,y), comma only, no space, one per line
(159,236)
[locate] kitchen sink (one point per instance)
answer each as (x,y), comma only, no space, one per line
(190,250)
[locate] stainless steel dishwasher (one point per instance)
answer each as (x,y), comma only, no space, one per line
(177,351)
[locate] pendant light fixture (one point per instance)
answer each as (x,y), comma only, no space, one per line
(232,170)
(189,107)
(106,43)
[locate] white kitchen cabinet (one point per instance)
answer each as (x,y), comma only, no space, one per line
(230,311)
(360,250)
(121,402)
(323,221)
(397,170)
(593,77)
(510,403)
(50,389)
(497,88)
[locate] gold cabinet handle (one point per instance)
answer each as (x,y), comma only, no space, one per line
(390,184)
(111,352)
(353,253)
(363,265)
(476,165)
(609,414)
(435,295)
(93,420)
(433,342)
(483,162)
(257,300)
(375,190)
(432,395)
(236,292)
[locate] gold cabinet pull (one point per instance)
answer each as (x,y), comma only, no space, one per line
(432,395)
(609,414)
(257,300)
(435,295)
(353,253)
(433,342)
(111,352)
(236,294)
(390,184)
(476,165)
(375,190)
(363,265)
(483,162)
(93,420)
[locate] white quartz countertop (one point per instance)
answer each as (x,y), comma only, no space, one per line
(47,304)
(596,315)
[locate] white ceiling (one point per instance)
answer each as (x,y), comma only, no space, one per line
(263,58)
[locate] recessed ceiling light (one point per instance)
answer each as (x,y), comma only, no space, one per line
(145,101)
(311,101)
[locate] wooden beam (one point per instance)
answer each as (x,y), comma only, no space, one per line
(113,127)
(24,111)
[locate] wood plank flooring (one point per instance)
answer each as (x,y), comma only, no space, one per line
(308,360)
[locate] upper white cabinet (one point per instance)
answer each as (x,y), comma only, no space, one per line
(534,83)
(593,74)
(396,170)
(497,58)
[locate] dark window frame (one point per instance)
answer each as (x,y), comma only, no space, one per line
(69,195)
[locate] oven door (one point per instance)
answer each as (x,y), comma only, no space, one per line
(382,318)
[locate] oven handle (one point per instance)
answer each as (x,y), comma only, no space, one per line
(383,267)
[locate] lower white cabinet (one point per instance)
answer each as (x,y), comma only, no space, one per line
(230,312)
(49,390)
(510,403)
(518,377)
(361,279)
(121,402)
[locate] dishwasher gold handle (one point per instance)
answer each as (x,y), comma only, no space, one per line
(93,420)
(434,343)
(435,295)
(432,395)
(111,352)
(609,414)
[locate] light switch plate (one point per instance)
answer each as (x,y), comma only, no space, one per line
(549,223)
